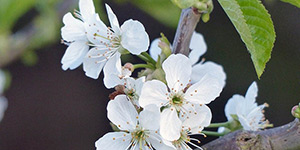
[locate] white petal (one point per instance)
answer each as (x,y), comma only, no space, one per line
(232,106)
(134,37)
(93,66)
(114,23)
(245,123)
(178,70)
(200,70)
(199,118)
(73,29)
(114,141)
(139,83)
(3,106)
(154,49)
(112,71)
(2,81)
(74,55)
(198,47)
(122,113)
(154,92)
(204,91)
(87,8)
(149,118)
(96,30)
(252,93)
(170,124)
(158,142)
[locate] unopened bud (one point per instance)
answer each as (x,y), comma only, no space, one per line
(120,88)
(296,111)
(129,66)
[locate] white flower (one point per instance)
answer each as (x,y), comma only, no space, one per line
(108,42)
(192,125)
(114,73)
(133,88)
(3,100)
(74,35)
(3,106)
(2,81)
(249,114)
(176,100)
(138,131)
(198,48)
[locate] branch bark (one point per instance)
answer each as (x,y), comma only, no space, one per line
(286,137)
(188,21)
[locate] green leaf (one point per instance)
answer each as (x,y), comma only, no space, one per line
(254,24)
(293,2)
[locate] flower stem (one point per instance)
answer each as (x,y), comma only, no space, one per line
(136,66)
(216,125)
(143,58)
(151,60)
(212,133)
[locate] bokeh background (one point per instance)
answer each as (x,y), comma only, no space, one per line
(52,109)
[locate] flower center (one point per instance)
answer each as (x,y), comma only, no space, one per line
(139,134)
(176,99)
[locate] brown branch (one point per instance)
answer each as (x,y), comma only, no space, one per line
(22,39)
(186,26)
(286,137)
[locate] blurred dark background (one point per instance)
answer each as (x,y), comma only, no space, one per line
(52,109)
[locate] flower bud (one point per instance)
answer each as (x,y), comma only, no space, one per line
(296,111)
(129,66)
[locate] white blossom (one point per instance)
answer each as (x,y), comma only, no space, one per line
(111,42)
(74,34)
(177,101)
(198,48)
(3,100)
(193,125)
(249,114)
(138,131)
(114,73)
(133,88)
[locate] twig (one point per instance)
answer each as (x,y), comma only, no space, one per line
(188,21)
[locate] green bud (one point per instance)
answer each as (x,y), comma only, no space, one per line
(296,111)
(205,18)
(184,3)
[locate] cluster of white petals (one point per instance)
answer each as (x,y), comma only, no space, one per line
(249,114)
(106,43)
(179,99)
(198,48)
(3,100)
(138,131)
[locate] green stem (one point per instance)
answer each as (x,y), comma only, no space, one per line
(151,60)
(216,125)
(212,133)
(136,66)
(143,58)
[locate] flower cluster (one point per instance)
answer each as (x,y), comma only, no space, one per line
(167,102)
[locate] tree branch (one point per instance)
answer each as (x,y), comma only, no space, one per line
(279,138)
(186,26)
